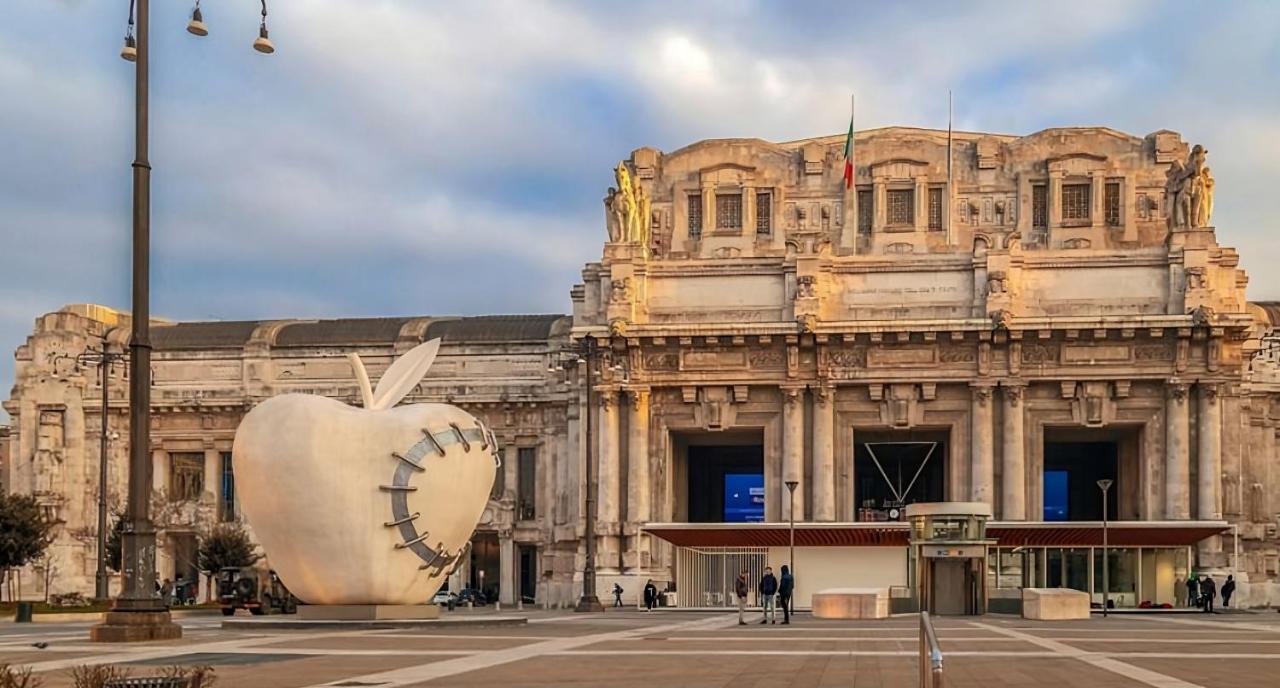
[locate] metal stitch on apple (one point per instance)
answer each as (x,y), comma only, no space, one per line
(466,446)
(412,517)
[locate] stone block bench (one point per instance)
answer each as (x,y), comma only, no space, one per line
(851,603)
(1053,604)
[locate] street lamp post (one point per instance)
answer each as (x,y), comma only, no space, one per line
(791,490)
(1104,485)
(586,352)
(139,613)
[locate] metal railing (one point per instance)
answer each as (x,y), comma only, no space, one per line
(930,654)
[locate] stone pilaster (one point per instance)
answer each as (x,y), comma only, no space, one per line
(792,450)
(982,463)
(1014,457)
(824,473)
(639,509)
(507,568)
(1209,501)
(1177,489)
(608,483)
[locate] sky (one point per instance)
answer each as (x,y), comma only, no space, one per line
(400,157)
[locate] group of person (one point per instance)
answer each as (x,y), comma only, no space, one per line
(1202,592)
(771,591)
(650,595)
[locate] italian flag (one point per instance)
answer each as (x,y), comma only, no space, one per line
(848,151)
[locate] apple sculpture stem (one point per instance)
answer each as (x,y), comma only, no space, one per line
(315,487)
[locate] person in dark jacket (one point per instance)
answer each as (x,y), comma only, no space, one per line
(740,591)
(1228,589)
(767,588)
(650,595)
(1208,591)
(1193,591)
(785,587)
(617,595)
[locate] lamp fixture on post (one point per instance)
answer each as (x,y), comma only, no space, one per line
(791,491)
(196,26)
(130,51)
(263,44)
(1104,485)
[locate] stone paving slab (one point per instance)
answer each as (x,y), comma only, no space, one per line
(1220,673)
(295,673)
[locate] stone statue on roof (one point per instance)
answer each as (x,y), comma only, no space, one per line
(1189,189)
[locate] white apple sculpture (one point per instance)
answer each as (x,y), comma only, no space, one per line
(364,506)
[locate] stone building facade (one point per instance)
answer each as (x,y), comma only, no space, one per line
(1025,306)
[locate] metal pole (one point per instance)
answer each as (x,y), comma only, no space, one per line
(1106,582)
(791,490)
(100,582)
(589,602)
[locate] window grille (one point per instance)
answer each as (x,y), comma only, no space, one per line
(728,211)
(527,495)
(901,206)
(935,208)
(695,215)
(227,503)
(764,212)
(865,211)
(186,476)
(1039,206)
(1075,202)
(1112,199)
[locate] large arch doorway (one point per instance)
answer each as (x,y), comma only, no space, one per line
(1075,459)
(894,468)
(719,477)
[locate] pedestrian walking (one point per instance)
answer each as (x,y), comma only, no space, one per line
(740,589)
(1193,591)
(1208,591)
(617,595)
(650,595)
(786,586)
(1228,589)
(768,589)
(166,592)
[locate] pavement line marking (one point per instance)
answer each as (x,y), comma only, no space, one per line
(148,652)
(1219,625)
(833,638)
(452,667)
(803,653)
(1115,666)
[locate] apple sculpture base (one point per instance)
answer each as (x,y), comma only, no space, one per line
(368,612)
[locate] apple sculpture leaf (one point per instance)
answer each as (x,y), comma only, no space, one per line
(372,505)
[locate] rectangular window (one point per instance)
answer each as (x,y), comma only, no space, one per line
(186,476)
(1075,202)
(1112,199)
(527,471)
(1039,206)
(900,204)
(729,211)
(695,215)
(935,208)
(227,495)
(764,212)
(865,211)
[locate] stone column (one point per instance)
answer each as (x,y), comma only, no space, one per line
(1177,489)
(507,593)
(607,480)
(213,484)
(982,463)
(639,509)
(824,467)
(1014,459)
(1209,502)
(792,451)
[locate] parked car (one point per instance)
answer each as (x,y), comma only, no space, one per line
(443,598)
(253,589)
(472,596)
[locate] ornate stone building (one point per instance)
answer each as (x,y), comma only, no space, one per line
(1040,313)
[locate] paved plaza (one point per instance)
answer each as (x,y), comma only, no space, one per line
(628,648)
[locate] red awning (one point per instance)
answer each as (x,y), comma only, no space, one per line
(890,534)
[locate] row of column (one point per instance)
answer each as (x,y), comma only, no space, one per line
(609,509)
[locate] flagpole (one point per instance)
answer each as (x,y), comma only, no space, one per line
(950,213)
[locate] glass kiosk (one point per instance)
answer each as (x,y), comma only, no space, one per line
(948,556)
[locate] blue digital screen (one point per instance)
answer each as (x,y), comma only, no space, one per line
(1055,495)
(744,497)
